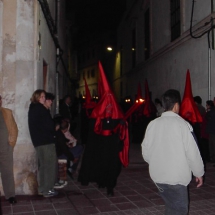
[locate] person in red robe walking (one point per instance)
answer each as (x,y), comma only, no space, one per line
(107,144)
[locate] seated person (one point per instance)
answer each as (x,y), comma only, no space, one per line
(65,149)
(75,149)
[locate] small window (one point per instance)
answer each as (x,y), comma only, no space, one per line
(83,74)
(92,73)
(88,74)
(175,19)
(147,34)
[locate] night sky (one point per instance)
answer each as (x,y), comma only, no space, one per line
(96,14)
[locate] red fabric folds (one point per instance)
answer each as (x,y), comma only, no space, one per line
(107,107)
(124,136)
(188,109)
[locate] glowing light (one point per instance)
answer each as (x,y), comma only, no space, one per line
(140,100)
(109,49)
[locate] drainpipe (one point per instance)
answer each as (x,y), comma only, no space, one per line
(56,16)
(57,59)
(57,81)
(209,54)
(209,67)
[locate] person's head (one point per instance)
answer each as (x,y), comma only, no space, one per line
(0,101)
(67,99)
(64,125)
(158,101)
(209,104)
(198,100)
(38,96)
(49,99)
(171,100)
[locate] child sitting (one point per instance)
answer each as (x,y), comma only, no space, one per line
(66,146)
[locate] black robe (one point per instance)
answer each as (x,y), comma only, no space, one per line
(101,163)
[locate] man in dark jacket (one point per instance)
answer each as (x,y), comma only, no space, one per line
(42,131)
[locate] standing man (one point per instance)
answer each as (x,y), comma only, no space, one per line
(65,108)
(8,134)
(170,149)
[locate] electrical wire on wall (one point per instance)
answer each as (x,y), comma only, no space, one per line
(209,28)
(53,31)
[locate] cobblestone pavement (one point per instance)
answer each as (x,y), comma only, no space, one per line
(135,194)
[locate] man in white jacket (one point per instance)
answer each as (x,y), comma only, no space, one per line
(170,149)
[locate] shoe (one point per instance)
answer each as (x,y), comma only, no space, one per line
(58,185)
(12,200)
(64,183)
(50,193)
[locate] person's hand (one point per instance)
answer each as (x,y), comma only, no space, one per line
(199,181)
(70,145)
(57,127)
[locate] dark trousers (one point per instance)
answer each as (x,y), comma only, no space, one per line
(212,147)
(6,169)
(47,161)
(175,198)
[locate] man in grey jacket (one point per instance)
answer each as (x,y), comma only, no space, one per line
(170,149)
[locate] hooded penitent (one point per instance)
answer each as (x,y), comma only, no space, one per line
(89,104)
(188,109)
(108,108)
(149,108)
(137,104)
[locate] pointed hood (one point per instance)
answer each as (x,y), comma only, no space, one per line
(107,106)
(136,105)
(149,108)
(88,99)
(189,110)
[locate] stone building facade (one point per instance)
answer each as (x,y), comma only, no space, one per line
(158,47)
(28,62)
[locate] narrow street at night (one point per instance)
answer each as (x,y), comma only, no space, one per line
(135,193)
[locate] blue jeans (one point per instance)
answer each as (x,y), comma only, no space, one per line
(77,152)
(175,198)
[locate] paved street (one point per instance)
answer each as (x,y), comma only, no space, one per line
(135,194)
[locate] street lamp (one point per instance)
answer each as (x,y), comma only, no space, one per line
(109,48)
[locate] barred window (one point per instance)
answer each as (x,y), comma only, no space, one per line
(175,19)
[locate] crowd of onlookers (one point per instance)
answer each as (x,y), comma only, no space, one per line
(204,131)
(52,139)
